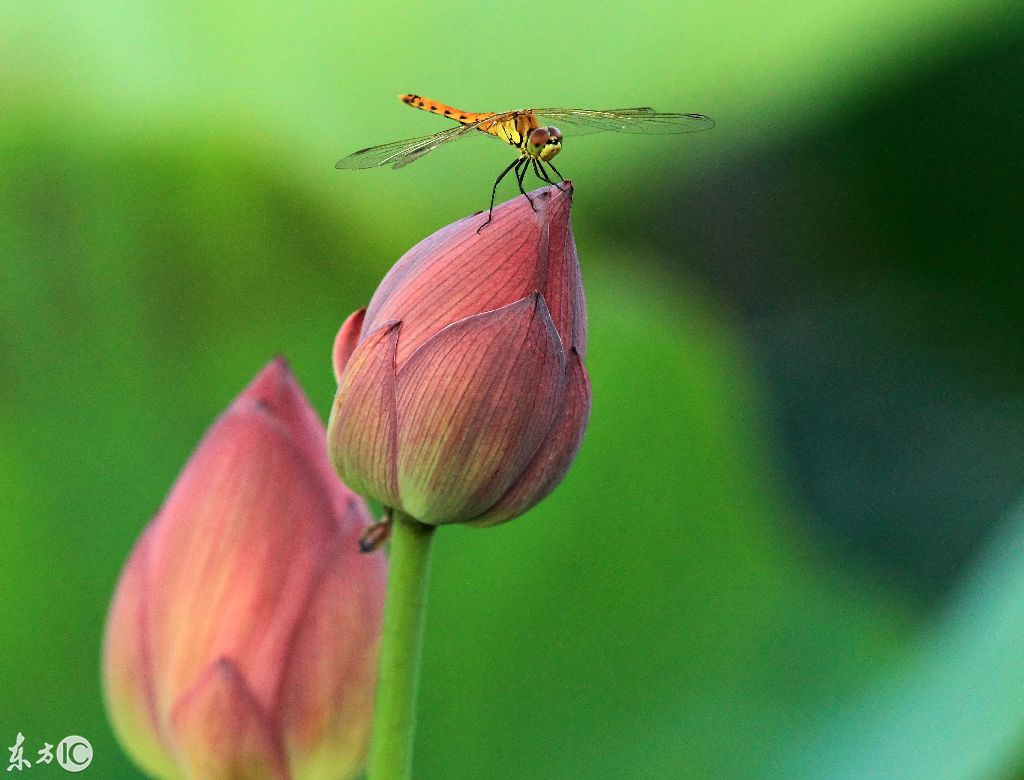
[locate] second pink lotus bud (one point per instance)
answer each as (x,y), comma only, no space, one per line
(242,639)
(462,394)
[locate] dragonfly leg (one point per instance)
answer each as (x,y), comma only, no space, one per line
(520,175)
(560,176)
(494,190)
(541,171)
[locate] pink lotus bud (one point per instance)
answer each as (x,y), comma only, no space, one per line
(243,635)
(462,395)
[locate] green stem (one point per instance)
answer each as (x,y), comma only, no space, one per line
(394,717)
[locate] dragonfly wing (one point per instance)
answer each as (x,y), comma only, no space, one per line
(399,153)
(623,120)
(434,141)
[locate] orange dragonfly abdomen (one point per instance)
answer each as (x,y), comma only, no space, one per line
(513,130)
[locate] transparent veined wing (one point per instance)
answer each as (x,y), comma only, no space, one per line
(400,153)
(581,121)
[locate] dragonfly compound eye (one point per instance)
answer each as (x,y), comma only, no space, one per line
(556,135)
(539,136)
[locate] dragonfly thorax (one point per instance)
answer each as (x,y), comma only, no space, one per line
(543,143)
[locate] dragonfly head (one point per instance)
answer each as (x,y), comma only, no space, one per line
(544,143)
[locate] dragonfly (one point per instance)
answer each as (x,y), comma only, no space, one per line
(536,142)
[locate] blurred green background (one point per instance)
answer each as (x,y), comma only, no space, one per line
(792,544)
